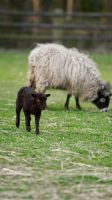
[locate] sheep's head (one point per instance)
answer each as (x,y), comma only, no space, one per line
(40,100)
(103,97)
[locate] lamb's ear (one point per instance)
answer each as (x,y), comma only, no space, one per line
(34,95)
(47,95)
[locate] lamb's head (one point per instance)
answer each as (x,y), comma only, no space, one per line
(40,100)
(103,97)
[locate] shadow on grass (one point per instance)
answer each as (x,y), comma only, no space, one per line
(55,108)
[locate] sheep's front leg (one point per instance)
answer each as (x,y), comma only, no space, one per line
(37,120)
(67,102)
(78,107)
(27,121)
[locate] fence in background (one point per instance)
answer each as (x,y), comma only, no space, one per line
(24,29)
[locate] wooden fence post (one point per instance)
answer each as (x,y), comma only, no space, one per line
(36,6)
(57,33)
(69,8)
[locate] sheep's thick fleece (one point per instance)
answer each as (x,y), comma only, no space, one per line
(55,66)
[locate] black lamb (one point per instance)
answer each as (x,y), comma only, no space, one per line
(32,103)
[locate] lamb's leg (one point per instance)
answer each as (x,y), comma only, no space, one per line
(37,119)
(67,102)
(18,110)
(78,107)
(27,121)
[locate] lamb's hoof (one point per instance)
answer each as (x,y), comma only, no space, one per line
(37,133)
(28,129)
(17,125)
(17,122)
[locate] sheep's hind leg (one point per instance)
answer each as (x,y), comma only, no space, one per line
(67,102)
(78,107)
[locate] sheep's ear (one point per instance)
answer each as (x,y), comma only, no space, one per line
(34,95)
(108,89)
(107,86)
(47,95)
(105,89)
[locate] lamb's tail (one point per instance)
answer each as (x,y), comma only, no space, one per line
(31,77)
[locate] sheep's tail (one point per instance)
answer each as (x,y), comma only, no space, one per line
(31,77)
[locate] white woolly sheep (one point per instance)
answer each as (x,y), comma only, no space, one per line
(55,66)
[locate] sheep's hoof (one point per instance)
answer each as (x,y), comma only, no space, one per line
(37,132)
(78,108)
(67,109)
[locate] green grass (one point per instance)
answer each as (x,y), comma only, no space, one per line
(70,159)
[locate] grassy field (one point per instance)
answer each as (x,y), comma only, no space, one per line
(70,159)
